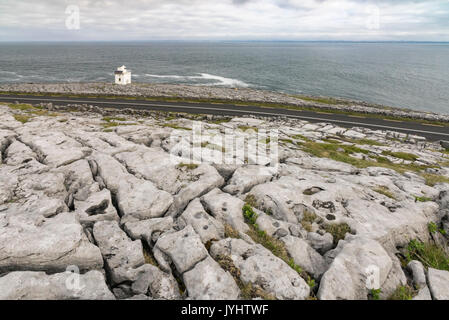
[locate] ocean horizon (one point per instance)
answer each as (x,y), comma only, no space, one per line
(404,74)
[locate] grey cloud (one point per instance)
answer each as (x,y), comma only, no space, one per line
(224,19)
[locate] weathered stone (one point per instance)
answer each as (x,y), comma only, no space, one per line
(321,243)
(244,178)
(226,209)
(49,246)
(78,179)
(438,283)
(423,294)
(18,153)
(159,284)
(305,256)
(142,200)
(207,227)
(321,164)
(184,248)
(97,207)
(418,273)
(207,281)
(351,269)
(55,148)
(444,144)
(28,285)
(135,197)
(148,230)
(122,255)
(206,179)
(260,267)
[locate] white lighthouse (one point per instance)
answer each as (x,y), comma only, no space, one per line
(122,76)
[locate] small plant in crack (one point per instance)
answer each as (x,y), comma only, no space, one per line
(308,218)
(338,231)
(248,290)
(432,226)
(430,254)
(374,294)
(403,293)
(250,199)
(276,246)
(188,166)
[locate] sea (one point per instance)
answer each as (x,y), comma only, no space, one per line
(412,75)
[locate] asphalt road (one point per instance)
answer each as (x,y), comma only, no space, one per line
(431,132)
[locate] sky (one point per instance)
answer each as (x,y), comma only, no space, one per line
(110,20)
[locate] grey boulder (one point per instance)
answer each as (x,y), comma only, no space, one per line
(29,285)
(122,255)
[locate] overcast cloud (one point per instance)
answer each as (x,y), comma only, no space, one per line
(226,20)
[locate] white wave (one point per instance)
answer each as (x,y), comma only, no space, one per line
(167,76)
(229,82)
(219,81)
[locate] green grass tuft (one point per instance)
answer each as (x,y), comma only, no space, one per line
(21,106)
(433,228)
(403,293)
(245,128)
(401,155)
(375,294)
(434,179)
(249,214)
(250,199)
(308,218)
(431,255)
(22,118)
(175,126)
(276,246)
(423,199)
(230,232)
(385,191)
(338,231)
(248,291)
(188,166)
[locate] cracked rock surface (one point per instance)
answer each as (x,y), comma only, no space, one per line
(116,198)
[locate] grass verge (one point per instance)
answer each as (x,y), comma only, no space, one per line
(332,103)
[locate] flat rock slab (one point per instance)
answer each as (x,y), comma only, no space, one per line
(225,208)
(208,281)
(135,197)
(55,148)
(148,230)
(260,267)
(122,255)
(359,261)
(207,227)
(184,248)
(29,285)
(438,283)
(305,256)
(244,178)
(158,284)
(52,246)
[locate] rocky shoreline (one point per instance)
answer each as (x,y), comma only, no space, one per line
(219,93)
(96,204)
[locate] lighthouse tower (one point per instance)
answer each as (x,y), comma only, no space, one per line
(122,76)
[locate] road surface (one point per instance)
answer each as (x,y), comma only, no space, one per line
(430,131)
